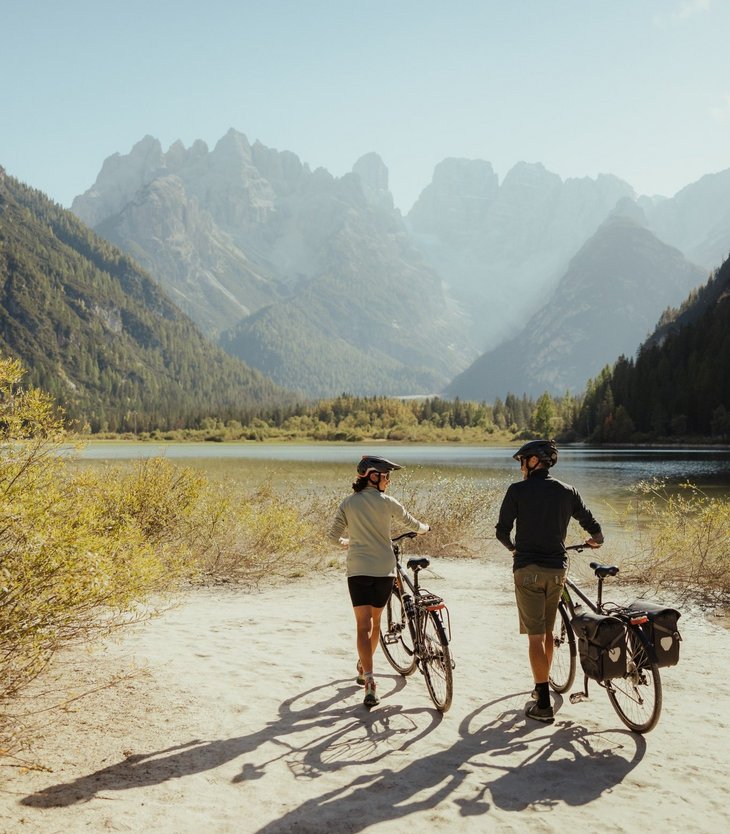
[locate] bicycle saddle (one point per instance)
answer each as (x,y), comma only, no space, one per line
(602,571)
(418,563)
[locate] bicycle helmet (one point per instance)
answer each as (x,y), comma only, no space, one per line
(545,450)
(372,463)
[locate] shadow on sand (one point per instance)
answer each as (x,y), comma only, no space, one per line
(498,760)
(333,735)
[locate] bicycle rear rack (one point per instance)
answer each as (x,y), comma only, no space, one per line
(432,602)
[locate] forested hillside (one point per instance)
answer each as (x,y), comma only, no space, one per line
(679,384)
(99,334)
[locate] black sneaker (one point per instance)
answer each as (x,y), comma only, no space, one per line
(544,714)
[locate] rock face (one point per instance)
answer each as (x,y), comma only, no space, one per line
(313,278)
(604,306)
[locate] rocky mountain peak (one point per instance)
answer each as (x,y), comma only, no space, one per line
(459,195)
(373,175)
(119,180)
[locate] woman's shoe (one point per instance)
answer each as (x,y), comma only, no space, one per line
(360,679)
(371,698)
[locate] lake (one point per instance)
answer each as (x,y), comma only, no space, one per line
(595,472)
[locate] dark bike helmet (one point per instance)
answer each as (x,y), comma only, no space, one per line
(545,450)
(372,463)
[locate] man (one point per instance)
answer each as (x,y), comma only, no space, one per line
(541,507)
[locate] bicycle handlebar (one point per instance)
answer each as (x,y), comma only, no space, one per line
(580,547)
(409,535)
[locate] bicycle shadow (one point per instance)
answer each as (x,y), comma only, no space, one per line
(558,763)
(338,728)
(563,762)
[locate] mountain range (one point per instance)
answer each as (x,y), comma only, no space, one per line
(311,279)
(320,283)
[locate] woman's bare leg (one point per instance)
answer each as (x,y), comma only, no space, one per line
(367,623)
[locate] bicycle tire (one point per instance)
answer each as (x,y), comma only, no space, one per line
(396,638)
(562,668)
(435,658)
(637,698)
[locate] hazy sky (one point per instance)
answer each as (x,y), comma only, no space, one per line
(636,88)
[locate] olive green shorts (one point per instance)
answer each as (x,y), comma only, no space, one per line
(538,591)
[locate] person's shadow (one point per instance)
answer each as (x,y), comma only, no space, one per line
(327,722)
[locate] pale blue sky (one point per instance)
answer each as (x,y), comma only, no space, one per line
(637,88)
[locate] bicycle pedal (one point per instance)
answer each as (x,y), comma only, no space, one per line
(577,697)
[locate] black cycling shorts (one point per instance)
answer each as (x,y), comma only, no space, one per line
(370,590)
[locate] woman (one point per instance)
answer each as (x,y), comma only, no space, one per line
(366,515)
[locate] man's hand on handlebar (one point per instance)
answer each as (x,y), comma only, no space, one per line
(593,543)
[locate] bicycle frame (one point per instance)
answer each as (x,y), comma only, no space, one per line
(416,630)
(423,602)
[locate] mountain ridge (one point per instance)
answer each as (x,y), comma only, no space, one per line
(98,333)
(604,306)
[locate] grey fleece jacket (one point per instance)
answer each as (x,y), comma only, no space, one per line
(366,517)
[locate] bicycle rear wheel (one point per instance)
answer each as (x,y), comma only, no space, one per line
(637,698)
(395,635)
(562,669)
(436,662)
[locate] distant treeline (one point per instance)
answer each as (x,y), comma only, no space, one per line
(597,416)
(352,418)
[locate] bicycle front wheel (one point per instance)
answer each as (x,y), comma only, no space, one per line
(637,697)
(436,662)
(395,635)
(562,669)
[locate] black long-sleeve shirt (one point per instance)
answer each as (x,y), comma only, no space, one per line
(542,508)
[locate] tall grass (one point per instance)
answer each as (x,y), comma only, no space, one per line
(683,542)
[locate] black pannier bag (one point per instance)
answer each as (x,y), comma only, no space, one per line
(601,645)
(661,630)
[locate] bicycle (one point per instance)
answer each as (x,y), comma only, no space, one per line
(415,629)
(635,692)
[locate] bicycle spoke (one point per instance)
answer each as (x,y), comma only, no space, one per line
(562,669)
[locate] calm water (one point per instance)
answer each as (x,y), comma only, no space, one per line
(593,471)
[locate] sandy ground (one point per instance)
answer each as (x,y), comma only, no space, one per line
(242,715)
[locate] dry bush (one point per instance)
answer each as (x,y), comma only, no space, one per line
(461,512)
(260,535)
(683,543)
